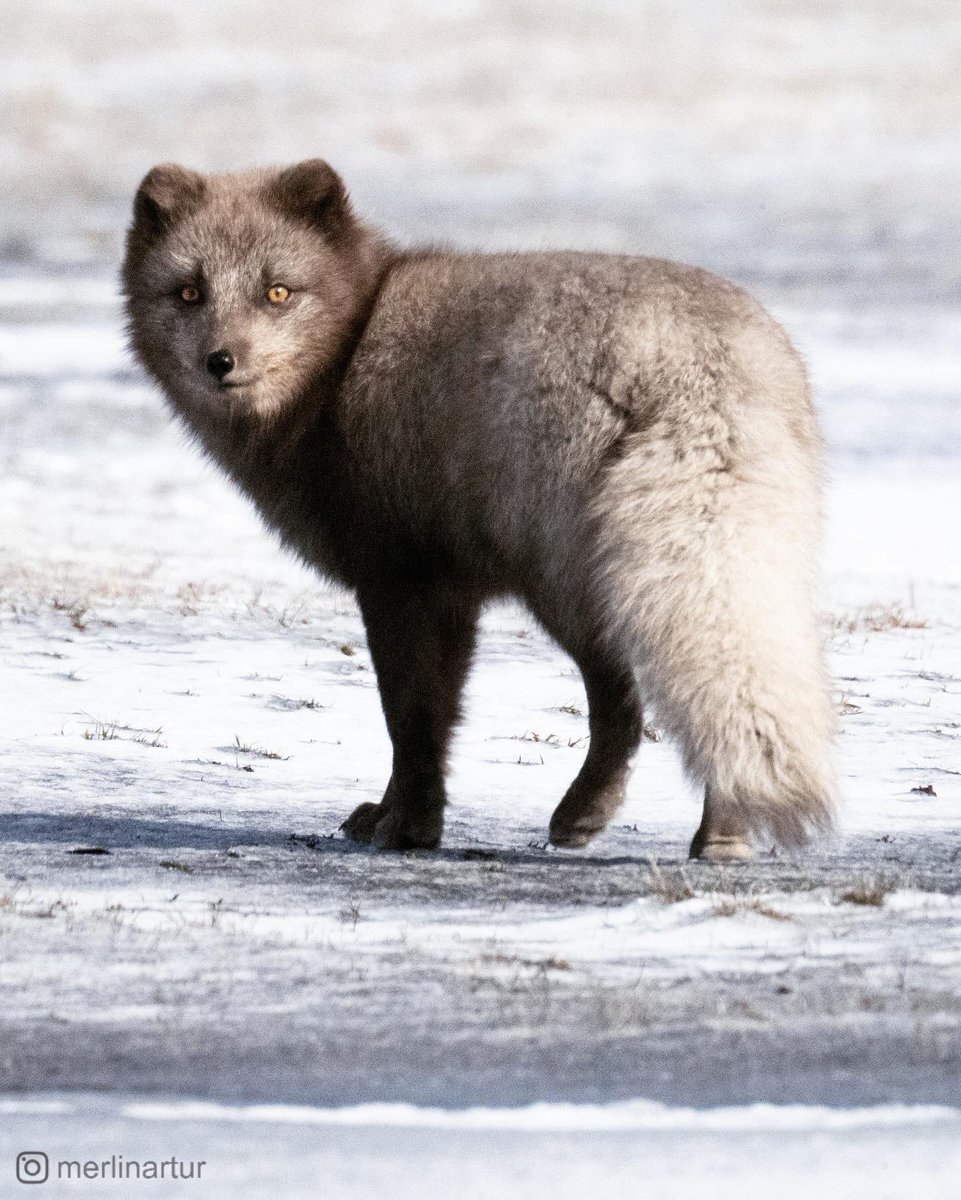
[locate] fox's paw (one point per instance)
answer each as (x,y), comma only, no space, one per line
(721,849)
(397,830)
(581,816)
(572,834)
(361,825)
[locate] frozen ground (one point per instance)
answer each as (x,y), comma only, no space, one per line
(195,715)
(544,1152)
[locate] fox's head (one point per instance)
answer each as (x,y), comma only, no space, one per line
(242,288)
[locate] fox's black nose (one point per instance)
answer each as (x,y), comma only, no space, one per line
(220,363)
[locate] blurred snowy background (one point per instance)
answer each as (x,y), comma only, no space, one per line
(809,145)
(178,693)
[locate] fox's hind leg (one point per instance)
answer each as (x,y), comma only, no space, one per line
(724,835)
(421,643)
(615,727)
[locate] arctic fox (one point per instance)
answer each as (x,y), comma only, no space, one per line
(626,445)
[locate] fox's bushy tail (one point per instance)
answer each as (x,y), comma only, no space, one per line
(709,532)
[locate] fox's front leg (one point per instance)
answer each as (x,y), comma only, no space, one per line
(421,641)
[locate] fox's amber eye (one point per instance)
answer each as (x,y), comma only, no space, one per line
(278,294)
(189,295)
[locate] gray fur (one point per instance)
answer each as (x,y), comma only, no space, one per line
(627,445)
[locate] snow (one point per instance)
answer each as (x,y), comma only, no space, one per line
(556,1118)
(499,1017)
(55,350)
(545,1151)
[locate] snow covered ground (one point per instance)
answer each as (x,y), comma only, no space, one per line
(187,716)
(554,1152)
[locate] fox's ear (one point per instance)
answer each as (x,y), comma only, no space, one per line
(166,192)
(313,191)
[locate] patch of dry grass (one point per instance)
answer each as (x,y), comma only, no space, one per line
(551,963)
(77,610)
(102,731)
(172,865)
(879,618)
(869,891)
(733,906)
(670,887)
(113,731)
(192,597)
(24,904)
(240,747)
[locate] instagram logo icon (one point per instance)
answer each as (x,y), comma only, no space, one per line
(33,1166)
